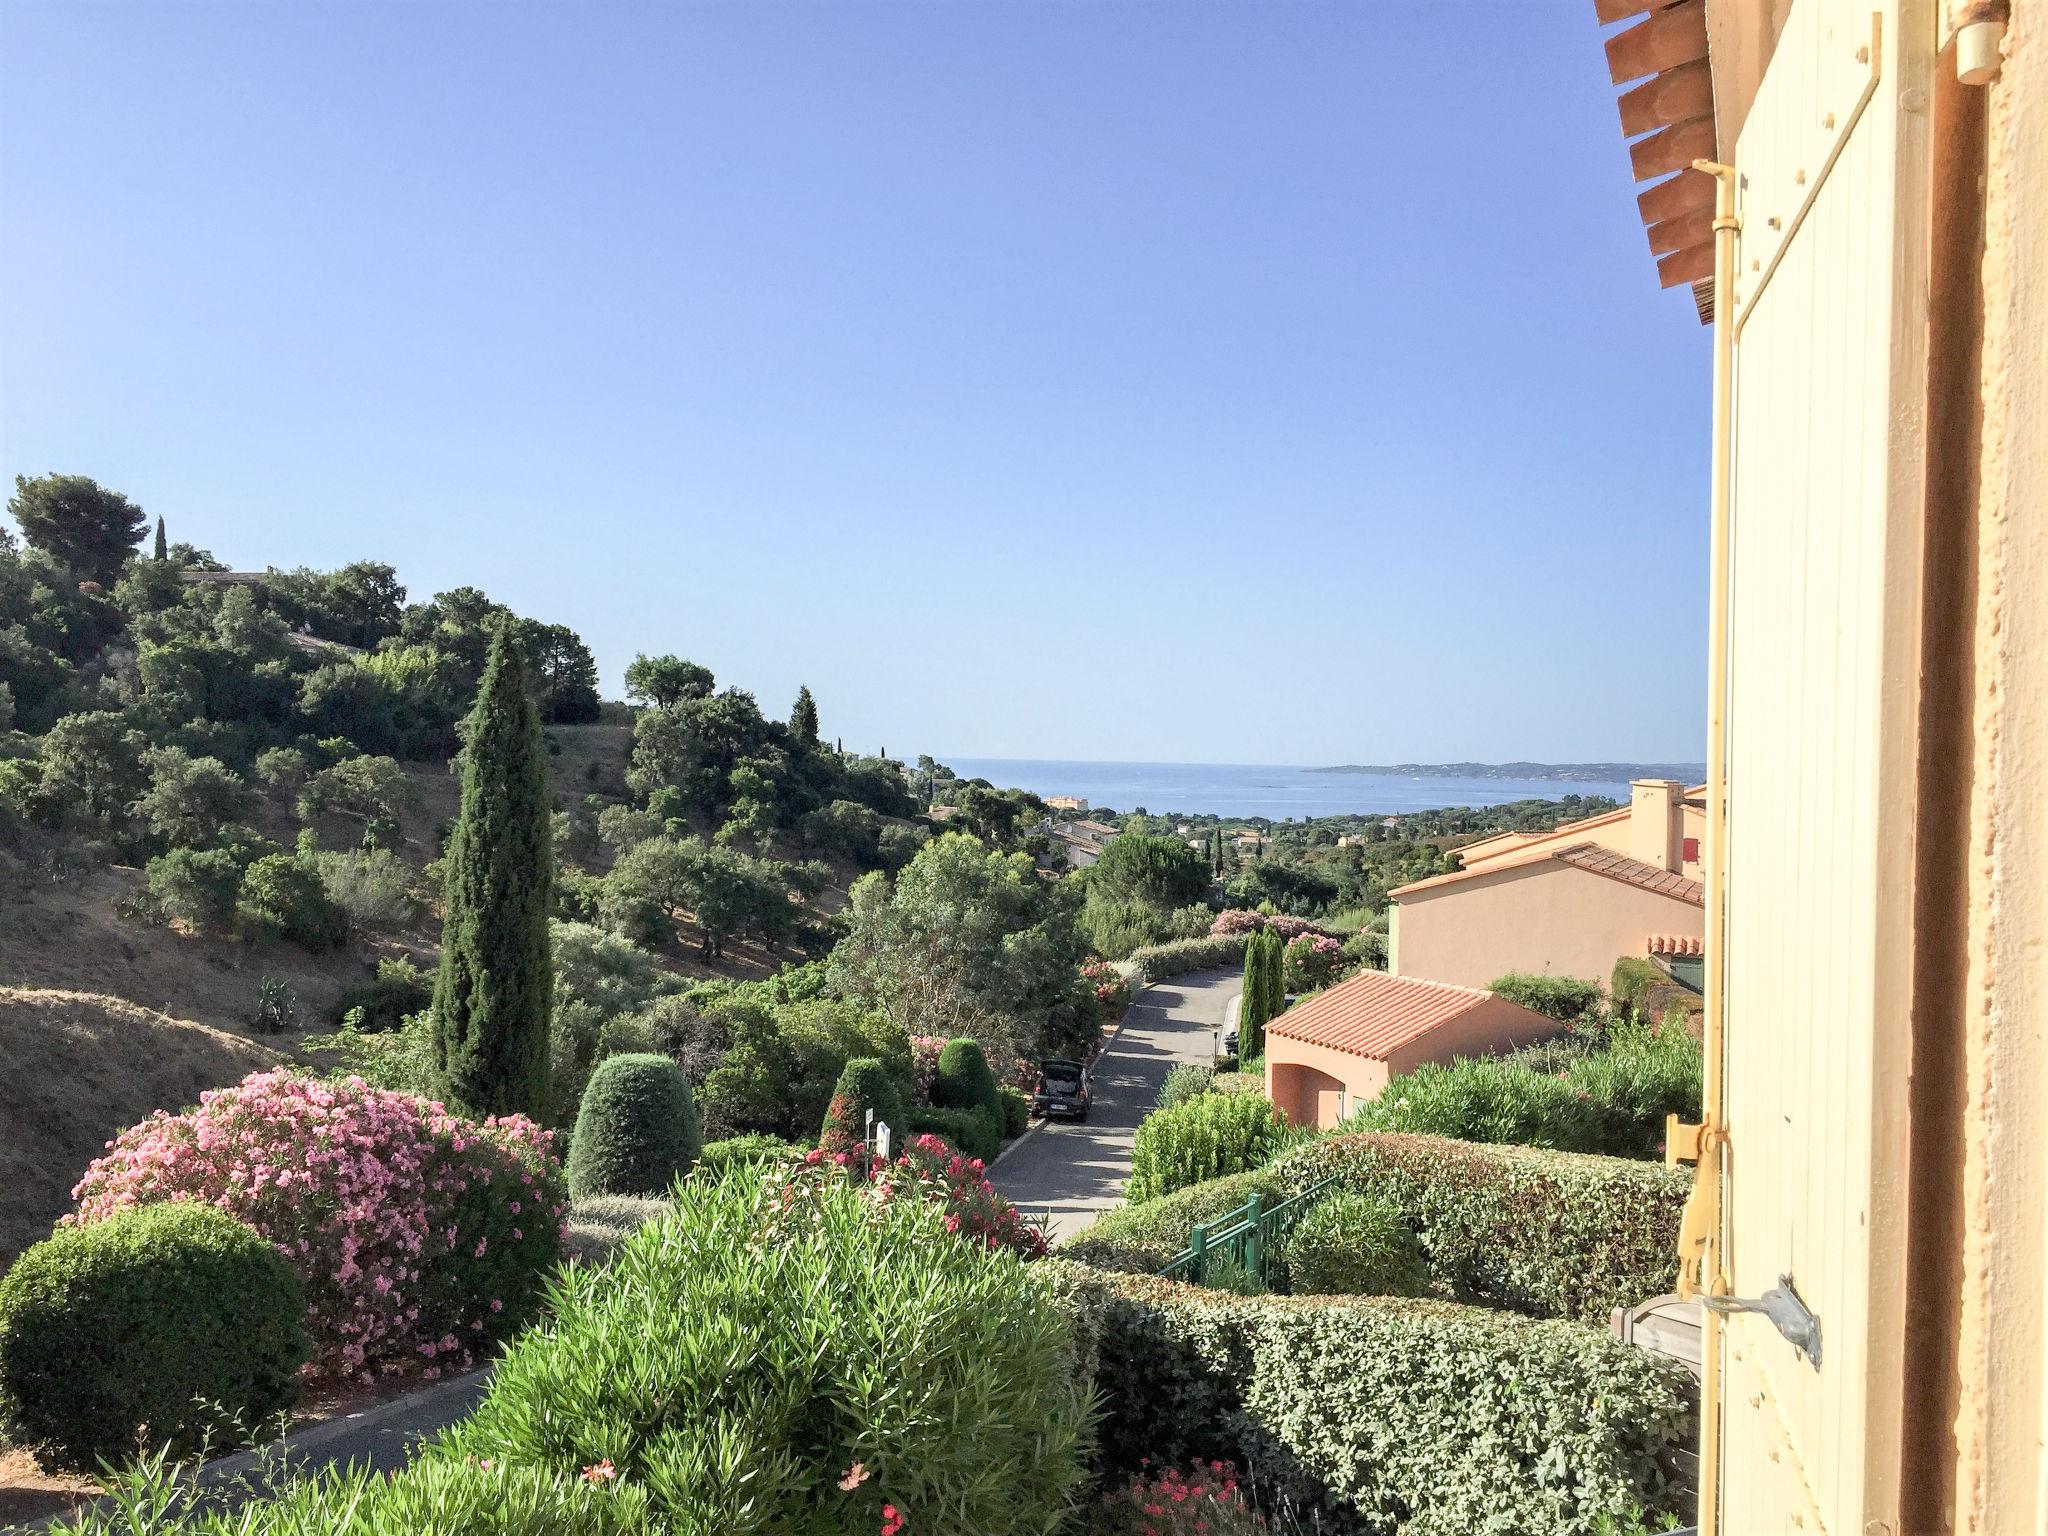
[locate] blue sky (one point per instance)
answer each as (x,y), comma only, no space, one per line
(1270,382)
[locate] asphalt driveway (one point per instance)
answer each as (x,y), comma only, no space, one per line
(1072,1173)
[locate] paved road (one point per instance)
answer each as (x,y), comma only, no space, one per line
(1072,1173)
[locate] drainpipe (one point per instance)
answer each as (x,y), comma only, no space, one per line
(1713,1127)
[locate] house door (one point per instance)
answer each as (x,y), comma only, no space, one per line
(1829,306)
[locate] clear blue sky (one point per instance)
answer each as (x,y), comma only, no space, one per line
(1258,382)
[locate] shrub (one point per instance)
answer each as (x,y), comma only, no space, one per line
(930,1170)
(973,1131)
(1116,928)
(636,1132)
(277,1006)
(864,1086)
(1112,991)
(1632,980)
(199,886)
(1202,1138)
(598,1224)
(1205,1499)
(1644,1074)
(282,895)
(1184,1080)
(816,1355)
(170,1325)
(1355,1244)
(1156,962)
(1392,1414)
(1142,1239)
(1483,1099)
(752,1151)
(400,990)
(1563,998)
(419,1237)
(964,1080)
(1016,1112)
(370,887)
(1311,962)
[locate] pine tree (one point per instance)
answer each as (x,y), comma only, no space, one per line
(492,997)
(803,720)
(162,550)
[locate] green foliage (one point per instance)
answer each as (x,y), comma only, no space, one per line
(1355,1244)
(666,681)
(599,1224)
(612,975)
(784,1348)
(1142,1239)
(865,1085)
(282,896)
(1563,998)
(397,1057)
(1392,1414)
(79,523)
(1117,928)
(400,989)
(1644,1074)
(165,1325)
(1016,1112)
(191,801)
(974,1131)
(803,721)
(492,997)
(1157,962)
(371,790)
(1184,1080)
(1263,997)
(784,1058)
(1205,1137)
(1159,872)
(636,1132)
(199,886)
(277,1006)
(752,1151)
(93,771)
(1632,980)
(371,887)
(964,1080)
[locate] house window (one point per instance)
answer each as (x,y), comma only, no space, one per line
(1691,850)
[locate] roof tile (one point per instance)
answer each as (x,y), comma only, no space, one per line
(1374,1014)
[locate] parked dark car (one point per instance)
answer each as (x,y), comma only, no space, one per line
(1062,1089)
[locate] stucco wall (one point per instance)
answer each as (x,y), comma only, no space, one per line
(1494,1026)
(1546,918)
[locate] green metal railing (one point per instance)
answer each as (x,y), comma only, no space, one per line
(1247,1234)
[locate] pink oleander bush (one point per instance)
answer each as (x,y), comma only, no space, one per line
(1242,921)
(1112,991)
(932,1171)
(420,1237)
(924,1064)
(1204,1499)
(1310,962)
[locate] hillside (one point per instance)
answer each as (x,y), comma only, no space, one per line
(80,1067)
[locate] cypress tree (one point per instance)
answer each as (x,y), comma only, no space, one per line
(803,720)
(162,550)
(491,999)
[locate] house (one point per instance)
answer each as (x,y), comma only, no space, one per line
(1083,840)
(1065,803)
(1856,193)
(1569,902)
(1336,1050)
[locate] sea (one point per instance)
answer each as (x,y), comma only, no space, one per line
(1251,789)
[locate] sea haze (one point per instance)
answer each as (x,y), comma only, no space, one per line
(1249,789)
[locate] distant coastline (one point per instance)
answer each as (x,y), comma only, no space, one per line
(1560,773)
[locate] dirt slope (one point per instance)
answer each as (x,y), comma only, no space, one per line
(75,1067)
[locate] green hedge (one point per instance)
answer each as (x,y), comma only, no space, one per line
(1382,1414)
(973,1131)
(1355,1244)
(1156,962)
(1205,1137)
(1554,1234)
(753,1150)
(964,1081)
(1633,978)
(1016,1112)
(1563,998)
(636,1132)
(164,1325)
(864,1085)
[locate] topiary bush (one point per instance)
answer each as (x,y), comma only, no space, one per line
(865,1086)
(1355,1244)
(636,1132)
(816,1357)
(170,1325)
(750,1151)
(1016,1112)
(1202,1138)
(973,1131)
(1379,1414)
(964,1080)
(421,1238)
(1563,998)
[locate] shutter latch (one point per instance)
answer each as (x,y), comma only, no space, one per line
(1788,1314)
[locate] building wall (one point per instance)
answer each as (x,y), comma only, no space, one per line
(1549,919)
(1649,832)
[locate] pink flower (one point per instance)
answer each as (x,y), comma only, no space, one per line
(603,1472)
(855,1476)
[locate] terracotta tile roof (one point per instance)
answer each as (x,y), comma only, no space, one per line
(1590,857)
(1374,1013)
(1674,944)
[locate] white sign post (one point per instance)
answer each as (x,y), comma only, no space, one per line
(882,1140)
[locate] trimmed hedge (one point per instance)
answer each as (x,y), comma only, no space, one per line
(973,1131)
(1553,1234)
(164,1325)
(753,1150)
(1633,978)
(1156,962)
(1391,1415)
(864,1085)
(1016,1112)
(1355,1244)
(636,1133)
(1566,999)
(1201,1138)
(964,1080)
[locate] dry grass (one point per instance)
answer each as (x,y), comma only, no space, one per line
(80,1067)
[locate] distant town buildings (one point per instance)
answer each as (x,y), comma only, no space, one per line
(1066,803)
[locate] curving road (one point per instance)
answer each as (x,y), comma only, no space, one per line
(1071,1173)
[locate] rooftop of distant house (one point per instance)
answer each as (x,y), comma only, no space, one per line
(1375,1014)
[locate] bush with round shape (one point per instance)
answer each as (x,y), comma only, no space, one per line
(964,1080)
(1206,1137)
(865,1088)
(636,1132)
(1355,1244)
(817,1354)
(1310,962)
(973,1131)
(168,1325)
(421,1238)
(282,896)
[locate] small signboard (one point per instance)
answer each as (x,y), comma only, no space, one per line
(882,1139)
